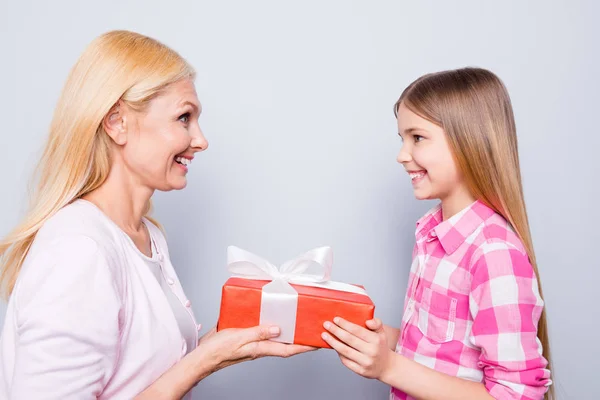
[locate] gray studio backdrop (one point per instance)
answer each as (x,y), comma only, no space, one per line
(297,103)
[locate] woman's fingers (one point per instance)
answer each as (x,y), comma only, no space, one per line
(258,333)
(276,349)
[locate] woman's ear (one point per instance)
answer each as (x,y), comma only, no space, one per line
(115,123)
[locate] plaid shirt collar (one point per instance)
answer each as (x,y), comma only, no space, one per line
(452,232)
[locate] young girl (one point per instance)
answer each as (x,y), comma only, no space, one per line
(474,307)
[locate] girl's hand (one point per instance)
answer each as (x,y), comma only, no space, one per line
(232,346)
(364,351)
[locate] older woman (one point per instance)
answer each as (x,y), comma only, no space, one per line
(96,309)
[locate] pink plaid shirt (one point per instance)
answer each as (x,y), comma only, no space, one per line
(473,304)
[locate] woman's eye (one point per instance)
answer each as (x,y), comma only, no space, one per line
(185,118)
(418,138)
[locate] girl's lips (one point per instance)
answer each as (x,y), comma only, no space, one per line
(417,176)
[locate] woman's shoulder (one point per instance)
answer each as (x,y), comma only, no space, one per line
(73,244)
(79,218)
(78,232)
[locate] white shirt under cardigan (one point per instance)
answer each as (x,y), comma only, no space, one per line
(87,319)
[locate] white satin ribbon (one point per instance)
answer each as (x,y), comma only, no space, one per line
(279,300)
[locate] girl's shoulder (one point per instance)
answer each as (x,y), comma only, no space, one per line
(497,232)
(496,243)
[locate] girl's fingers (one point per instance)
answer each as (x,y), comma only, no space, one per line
(356,330)
(351,365)
(374,324)
(343,349)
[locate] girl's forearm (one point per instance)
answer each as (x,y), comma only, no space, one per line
(391,335)
(425,383)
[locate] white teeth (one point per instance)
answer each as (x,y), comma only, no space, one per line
(183,160)
(416,175)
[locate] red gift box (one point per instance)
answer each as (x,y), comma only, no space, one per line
(243,301)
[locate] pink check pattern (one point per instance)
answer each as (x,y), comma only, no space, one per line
(473,305)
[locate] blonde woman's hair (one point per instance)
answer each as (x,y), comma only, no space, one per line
(118,65)
(473,107)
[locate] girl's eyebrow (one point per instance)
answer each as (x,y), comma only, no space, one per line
(411,130)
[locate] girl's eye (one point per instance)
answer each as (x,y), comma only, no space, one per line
(418,138)
(185,118)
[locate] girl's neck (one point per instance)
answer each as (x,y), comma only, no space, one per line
(455,202)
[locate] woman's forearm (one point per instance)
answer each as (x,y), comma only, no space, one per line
(180,378)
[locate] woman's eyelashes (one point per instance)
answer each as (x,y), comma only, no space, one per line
(185,118)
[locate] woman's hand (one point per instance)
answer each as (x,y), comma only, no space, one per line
(217,350)
(232,346)
(364,351)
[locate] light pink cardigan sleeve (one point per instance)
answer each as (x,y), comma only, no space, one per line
(67,319)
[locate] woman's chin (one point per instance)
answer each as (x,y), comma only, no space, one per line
(179,184)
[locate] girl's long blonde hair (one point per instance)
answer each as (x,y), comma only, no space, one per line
(118,65)
(473,107)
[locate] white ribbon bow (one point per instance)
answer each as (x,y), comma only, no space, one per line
(279,300)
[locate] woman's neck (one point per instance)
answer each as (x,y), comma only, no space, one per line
(122,198)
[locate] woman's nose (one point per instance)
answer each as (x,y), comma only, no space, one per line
(199,142)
